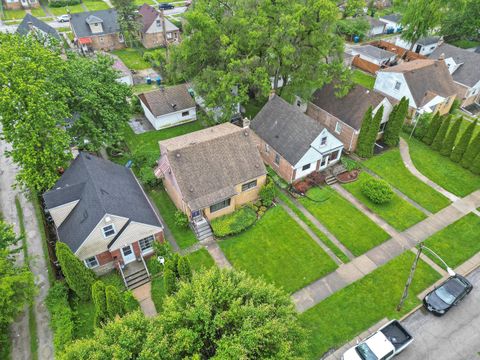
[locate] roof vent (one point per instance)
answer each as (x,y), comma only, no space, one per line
(177,155)
(191,189)
(108,219)
(84,217)
(174,106)
(245,133)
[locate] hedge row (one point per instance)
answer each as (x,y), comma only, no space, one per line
(62,3)
(61,316)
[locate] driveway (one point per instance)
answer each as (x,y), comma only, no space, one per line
(455,336)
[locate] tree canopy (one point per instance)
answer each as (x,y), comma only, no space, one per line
(235,48)
(463,20)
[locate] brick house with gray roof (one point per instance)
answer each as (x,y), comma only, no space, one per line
(153,26)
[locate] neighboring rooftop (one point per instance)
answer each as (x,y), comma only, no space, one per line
(350,108)
(374,22)
(101,187)
(286,129)
(24,27)
(468,73)
(392,17)
(428,40)
(149,14)
(424,76)
(208,164)
(81,27)
(374,52)
(167,100)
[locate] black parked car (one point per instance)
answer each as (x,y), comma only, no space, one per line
(440,300)
(165,6)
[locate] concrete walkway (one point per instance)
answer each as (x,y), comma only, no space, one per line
(143,294)
(216,253)
(407,160)
(346,274)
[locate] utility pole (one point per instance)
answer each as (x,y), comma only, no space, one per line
(164,30)
(410,277)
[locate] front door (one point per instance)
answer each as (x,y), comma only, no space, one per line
(324,162)
(128,254)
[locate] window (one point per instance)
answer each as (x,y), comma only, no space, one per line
(334,155)
(159,23)
(221,205)
(382,127)
(169,35)
(267,148)
(324,161)
(249,185)
(305,167)
(108,230)
(185,113)
(397,85)
(323,141)
(277,159)
(146,244)
(338,127)
(91,262)
(299,103)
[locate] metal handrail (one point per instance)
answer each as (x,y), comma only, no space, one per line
(123,275)
(144,264)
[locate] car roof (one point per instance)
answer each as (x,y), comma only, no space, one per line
(454,285)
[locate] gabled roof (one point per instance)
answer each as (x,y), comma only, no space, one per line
(101,187)
(423,76)
(374,22)
(167,100)
(286,129)
(351,108)
(468,73)
(92,19)
(428,40)
(209,163)
(374,52)
(81,28)
(24,27)
(392,17)
(149,14)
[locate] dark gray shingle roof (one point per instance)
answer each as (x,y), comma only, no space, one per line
(82,29)
(469,71)
(428,40)
(286,129)
(102,187)
(167,100)
(392,17)
(374,52)
(24,27)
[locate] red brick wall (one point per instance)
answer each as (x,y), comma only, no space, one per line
(159,237)
(136,249)
(104,258)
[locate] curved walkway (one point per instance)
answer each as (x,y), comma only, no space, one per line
(407,160)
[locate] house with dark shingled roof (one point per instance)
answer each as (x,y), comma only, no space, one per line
(153,26)
(101,212)
(31,24)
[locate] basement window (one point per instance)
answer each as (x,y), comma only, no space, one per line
(91,262)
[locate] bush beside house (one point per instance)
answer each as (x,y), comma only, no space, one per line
(235,222)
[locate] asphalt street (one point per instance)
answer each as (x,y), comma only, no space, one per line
(455,336)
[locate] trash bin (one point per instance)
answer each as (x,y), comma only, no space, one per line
(158,80)
(149,80)
(356,39)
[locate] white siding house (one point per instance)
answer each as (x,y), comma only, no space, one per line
(424,46)
(170,119)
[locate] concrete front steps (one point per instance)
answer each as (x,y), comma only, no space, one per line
(202,229)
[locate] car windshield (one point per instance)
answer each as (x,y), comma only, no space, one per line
(365,353)
(443,293)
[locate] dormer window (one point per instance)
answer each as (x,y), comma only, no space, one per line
(159,23)
(108,230)
(398,84)
(323,141)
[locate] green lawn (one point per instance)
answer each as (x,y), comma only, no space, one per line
(278,250)
(184,236)
(200,260)
(441,170)
(57,11)
(398,212)
(465,124)
(141,2)
(140,88)
(38,12)
(132,58)
(350,311)
(364,79)
(355,230)
(13,14)
(465,44)
(456,243)
(96,5)
(389,165)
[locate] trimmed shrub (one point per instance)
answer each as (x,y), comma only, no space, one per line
(363,144)
(422,125)
(475,168)
(100,302)
(131,304)
(115,302)
(267,193)
(432,130)
(391,137)
(377,190)
(78,277)
(349,164)
(61,316)
(447,145)
(462,144)
(473,150)
(184,269)
(170,282)
(235,222)
(441,134)
(181,219)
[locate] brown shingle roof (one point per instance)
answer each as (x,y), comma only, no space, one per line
(207,164)
(167,100)
(424,77)
(148,16)
(350,108)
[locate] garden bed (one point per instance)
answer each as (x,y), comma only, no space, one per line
(348,176)
(311,180)
(234,223)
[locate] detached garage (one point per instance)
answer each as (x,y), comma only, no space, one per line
(168,107)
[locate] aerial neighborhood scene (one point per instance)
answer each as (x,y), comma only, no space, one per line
(239,179)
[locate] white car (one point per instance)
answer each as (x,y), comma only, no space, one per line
(63,18)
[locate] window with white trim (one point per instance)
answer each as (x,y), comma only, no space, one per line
(323,141)
(108,230)
(91,262)
(397,85)
(306,167)
(249,185)
(185,113)
(338,127)
(146,244)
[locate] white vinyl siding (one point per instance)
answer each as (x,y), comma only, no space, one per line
(60,213)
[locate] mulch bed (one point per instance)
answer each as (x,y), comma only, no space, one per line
(348,176)
(313,179)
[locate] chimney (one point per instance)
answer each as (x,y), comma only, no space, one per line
(272,94)
(442,56)
(246,123)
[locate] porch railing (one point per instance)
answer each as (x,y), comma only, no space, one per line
(145,265)
(123,275)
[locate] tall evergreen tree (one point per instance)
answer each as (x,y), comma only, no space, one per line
(78,277)
(184,269)
(472,151)
(442,132)
(100,302)
(435,124)
(391,137)
(114,301)
(373,131)
(170,282)
(475,168)
(363,137)
(447,145)
(462,144)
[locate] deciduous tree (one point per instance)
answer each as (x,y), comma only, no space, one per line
(463,20)
(462,144)
(354,7)
(442,132)
(127,14)
(184,269)
(447,145)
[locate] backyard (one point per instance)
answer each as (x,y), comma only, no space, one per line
(278,250)
(456,243)
(441,170)
(389,165)
(362,304)
(352,228)
(361,78)
(397,212)
(132,58)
